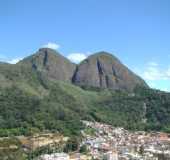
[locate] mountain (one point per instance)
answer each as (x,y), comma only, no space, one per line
(105,71)
(102,70)
(51,64)
(42,93)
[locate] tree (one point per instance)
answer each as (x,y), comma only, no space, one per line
(71,145)
(83,149)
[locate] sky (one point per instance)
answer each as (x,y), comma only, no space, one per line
(136,31)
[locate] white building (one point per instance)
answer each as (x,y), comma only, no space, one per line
(111,155)
(55,156)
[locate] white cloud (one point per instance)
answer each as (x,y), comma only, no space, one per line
(168,72)
(156,76)
(3,58)
(14,61)
(77,57)
(51,45)
(154,72)
(153,64)
(163,85)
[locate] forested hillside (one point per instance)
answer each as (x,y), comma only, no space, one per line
(31,102)
(65,105)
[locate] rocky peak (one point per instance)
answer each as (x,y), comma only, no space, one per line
(106,71)
(101,69)
(51,64)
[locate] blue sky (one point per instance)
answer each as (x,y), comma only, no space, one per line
(136,31)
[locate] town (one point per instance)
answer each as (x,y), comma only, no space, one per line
(105,142)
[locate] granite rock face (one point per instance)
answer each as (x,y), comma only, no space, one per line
(101,70)
(51,64)
(106,71)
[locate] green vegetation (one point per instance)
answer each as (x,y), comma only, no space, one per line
(30,103)
(157,108)
(10,149)
(72,145)
(83,149)
(89,131)
(49,149)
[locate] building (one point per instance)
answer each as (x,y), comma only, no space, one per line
(55,156)
(111,155)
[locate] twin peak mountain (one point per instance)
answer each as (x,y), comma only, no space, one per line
(101,70)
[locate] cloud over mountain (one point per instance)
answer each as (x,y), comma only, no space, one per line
(76,57)
(51,45)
